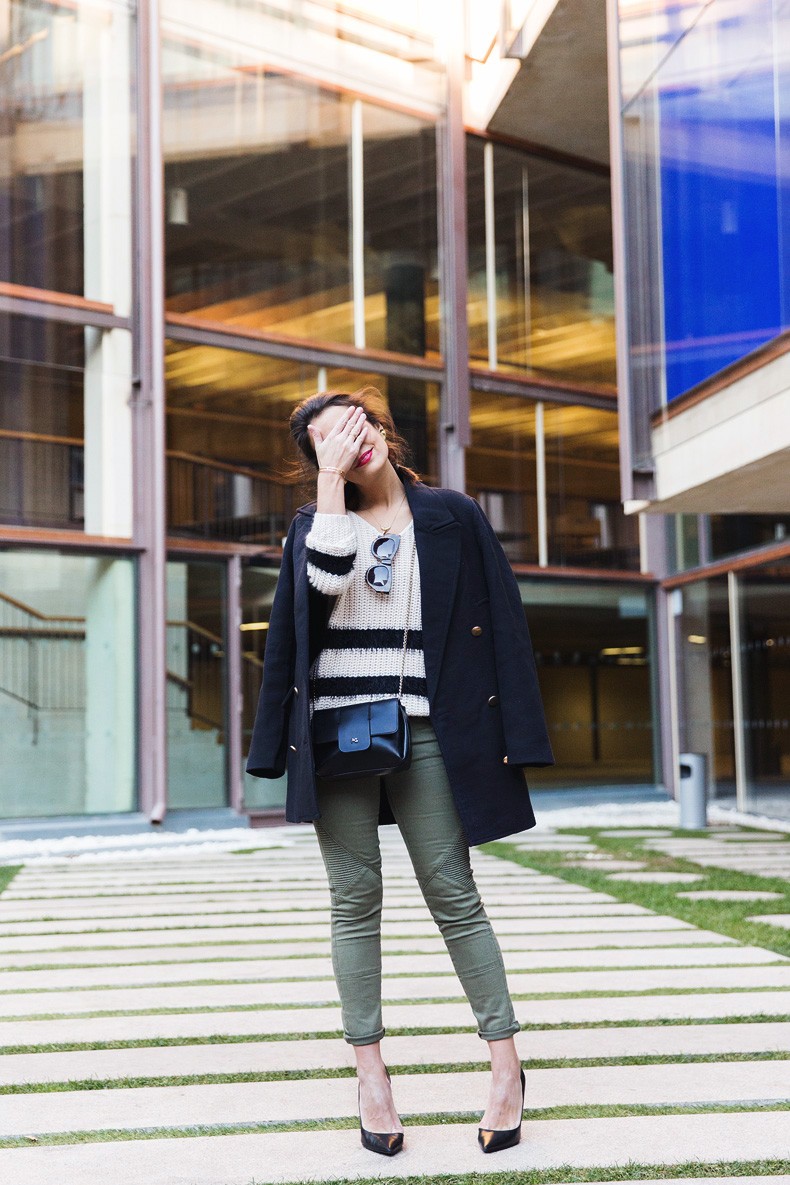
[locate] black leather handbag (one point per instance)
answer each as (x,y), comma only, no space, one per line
(366,739)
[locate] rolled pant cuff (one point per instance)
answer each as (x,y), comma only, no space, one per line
(500,1034)
(365,1040)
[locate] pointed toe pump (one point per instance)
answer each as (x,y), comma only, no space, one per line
(385,1143)
(492,1140)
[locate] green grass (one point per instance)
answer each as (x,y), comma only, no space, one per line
(335,1034)
(723,917)
(482,1066)
(574,1175)
(617,1111)
(7,874)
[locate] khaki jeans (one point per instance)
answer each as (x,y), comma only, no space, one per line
(347,831)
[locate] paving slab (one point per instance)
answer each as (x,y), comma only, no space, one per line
(130,947)
(658,878)
(773,919)
(730,895)
(273,925)
(437,987)
(228,968)
(608,865)
(103,1065)
(429,1151)
(284,1101)
(294,1022)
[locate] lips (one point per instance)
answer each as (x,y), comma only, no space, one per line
(363,460)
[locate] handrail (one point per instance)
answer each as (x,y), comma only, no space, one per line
(35,613)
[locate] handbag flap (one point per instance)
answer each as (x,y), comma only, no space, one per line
(353,733)
(384,716)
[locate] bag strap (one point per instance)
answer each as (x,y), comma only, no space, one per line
(408,614)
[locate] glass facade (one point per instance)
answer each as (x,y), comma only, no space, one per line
(67,683)
(541,292)
(65,189)
(593,648)
(705,101)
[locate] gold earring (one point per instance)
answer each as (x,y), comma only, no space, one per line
(383,432)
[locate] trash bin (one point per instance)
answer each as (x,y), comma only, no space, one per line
(694,791)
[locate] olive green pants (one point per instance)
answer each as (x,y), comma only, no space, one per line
(347,831)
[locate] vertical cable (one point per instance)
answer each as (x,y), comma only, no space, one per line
(357,224)
(540,479)
(488,180)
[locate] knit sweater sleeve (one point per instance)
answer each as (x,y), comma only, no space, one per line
(331,550)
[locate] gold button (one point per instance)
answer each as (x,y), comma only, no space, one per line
(477,630)
(493,699)
(292,747)
(505,760)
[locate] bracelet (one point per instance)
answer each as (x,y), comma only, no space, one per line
(331,469)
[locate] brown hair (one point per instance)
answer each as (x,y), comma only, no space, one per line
(376,410)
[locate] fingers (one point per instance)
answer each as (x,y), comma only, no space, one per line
(340,446)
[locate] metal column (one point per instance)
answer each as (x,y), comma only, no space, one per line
(148,417)
(454,429)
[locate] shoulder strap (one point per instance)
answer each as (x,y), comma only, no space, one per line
(408,614)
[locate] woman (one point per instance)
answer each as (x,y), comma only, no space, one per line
(469,688)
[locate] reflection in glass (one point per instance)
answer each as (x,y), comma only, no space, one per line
(592,649)
(765,666)
(731,533)
(257,181)
(65,426)
(257,593)
(65,187)
(196,685)
(549,259)
(401,247)
(705,98)
(67,684)
(228,445)
(704,657)
(501,473)
(586,523)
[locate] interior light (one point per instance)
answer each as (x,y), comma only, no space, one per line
(698,639)
(254,625)
(622,650)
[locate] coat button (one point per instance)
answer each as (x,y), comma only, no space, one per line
(493,700)
(477,630)
(505,760)
(296,690)
(292,747)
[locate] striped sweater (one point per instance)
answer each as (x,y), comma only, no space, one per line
(361,658)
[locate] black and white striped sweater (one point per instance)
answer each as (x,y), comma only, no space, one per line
(361,659)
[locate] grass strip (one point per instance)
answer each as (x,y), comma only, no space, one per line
(723,917)
(574,1063)
(7,874)
(615,1111)
(573,1175)
(336,1034)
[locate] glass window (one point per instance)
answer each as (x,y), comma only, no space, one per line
(705,711)
(257,593)
(196,684)
(501,473)
(731,533)
(593,652)
(65,189)
(65,426)
(229,472)
(765,669)
(706,210)
(67,684)
(548,259)
(586,524)
(401,247)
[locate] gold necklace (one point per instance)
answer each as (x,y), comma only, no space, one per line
(385,530)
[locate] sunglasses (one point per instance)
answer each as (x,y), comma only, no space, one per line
(383,549)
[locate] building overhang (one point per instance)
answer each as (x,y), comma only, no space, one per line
(724,447)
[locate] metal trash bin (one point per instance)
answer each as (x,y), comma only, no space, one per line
(693,791)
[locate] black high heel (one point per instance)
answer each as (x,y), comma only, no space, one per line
(386,1143)
(492,1140)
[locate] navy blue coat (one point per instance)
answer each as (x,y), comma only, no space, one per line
(485,704)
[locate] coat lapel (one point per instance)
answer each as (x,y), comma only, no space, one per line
(437,534)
